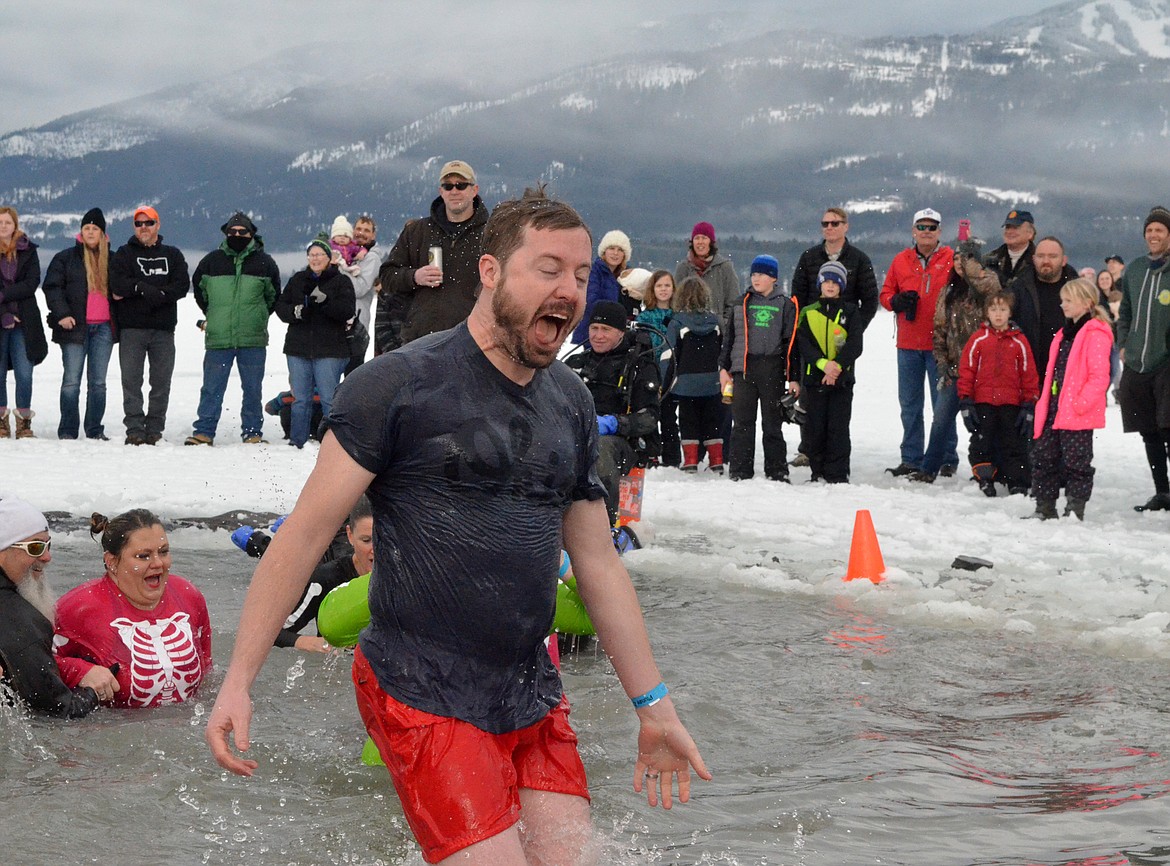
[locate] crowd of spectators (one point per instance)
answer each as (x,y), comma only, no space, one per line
(787,349)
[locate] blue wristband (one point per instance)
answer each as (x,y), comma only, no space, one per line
(651,697)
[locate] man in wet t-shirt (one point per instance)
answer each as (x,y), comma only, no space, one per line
(478,452)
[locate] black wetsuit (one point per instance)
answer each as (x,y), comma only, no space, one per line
(26,654)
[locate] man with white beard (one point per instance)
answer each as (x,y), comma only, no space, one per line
(26,620)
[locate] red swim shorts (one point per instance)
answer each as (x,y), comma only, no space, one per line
(458,784)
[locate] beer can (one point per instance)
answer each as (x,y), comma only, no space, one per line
(435,257)
(727,393)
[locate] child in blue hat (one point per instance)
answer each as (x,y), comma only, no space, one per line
(760,362)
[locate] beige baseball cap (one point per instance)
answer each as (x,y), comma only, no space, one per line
(459,167)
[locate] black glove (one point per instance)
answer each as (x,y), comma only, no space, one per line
(317,296)
(905,303)
(1026,419)
(970,418)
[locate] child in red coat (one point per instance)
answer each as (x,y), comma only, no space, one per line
(997,390)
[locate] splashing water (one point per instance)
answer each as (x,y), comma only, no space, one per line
(293,674)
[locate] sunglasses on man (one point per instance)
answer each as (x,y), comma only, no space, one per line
(237,233)
(138,224)
(926,227)
(461,185)
(833,223)
(33,548)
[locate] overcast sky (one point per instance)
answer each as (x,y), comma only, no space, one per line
(69,56)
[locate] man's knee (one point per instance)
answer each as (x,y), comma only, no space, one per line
(556,828)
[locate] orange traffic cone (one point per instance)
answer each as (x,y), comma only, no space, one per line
(865,555)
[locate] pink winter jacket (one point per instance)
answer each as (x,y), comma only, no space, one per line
(1086,380)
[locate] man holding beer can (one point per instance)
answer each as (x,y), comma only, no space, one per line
(430,278)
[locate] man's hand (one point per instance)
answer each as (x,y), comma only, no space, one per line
(67,323)
(232,712)
(905,303)
(666,752)
(429,276)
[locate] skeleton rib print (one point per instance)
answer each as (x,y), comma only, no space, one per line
(164,662)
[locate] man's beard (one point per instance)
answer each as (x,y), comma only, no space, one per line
(36,591)
(511,329)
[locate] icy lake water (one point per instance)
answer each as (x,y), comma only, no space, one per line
(840,731)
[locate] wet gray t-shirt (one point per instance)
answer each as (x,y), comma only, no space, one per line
(473,477)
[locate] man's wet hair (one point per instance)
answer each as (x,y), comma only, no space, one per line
(504,232)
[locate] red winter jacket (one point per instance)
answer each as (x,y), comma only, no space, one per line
(907,274)
(997,367)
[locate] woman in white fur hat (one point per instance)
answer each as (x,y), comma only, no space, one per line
(613,254)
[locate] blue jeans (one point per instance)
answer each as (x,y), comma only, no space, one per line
(304,374)
(913,366)
(12,354)
(941,448)
(217,366)
(96,350)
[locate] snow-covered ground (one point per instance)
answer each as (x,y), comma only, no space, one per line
(1103,582)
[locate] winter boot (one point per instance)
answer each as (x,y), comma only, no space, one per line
(24,424)
(690,456)
(1157,502)
(1045,510)
(1075,506)
(5,427)
(715,455)
(984,473)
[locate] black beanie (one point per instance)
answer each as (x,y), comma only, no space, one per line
(239,218)
(94,217)
(609,313)
(1158,215)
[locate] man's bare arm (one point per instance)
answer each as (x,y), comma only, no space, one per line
(328,495)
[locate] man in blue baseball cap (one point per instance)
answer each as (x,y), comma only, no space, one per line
(1015,255)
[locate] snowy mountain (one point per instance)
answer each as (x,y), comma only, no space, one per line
(1061,112)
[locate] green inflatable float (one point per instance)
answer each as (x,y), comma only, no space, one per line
(345,611)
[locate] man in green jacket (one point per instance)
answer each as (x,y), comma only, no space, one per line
(1143,332)
(236,287)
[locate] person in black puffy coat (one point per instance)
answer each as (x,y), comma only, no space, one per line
(317,303)
(77,288)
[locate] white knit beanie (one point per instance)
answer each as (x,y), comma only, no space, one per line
(341,227)
(18,520)
(615,238)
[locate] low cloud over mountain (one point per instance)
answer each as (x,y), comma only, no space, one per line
(1064,112)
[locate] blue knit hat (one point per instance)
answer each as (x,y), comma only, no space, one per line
(834,272)
(766,265)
